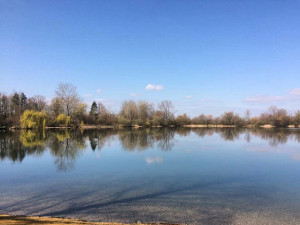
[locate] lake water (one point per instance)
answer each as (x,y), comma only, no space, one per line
(190,176)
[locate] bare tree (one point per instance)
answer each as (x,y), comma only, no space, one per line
(167,109)
(37,103)
(247,116)
(129,110)
(183,119)
(101,109)
(104,115)
(296,118)
(230,118)
(145,110)
(69,97)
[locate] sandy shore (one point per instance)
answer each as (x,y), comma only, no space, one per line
(9,220)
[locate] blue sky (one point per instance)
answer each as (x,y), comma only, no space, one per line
(205,56)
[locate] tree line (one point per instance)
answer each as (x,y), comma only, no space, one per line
(66,109)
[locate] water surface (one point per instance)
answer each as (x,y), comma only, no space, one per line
(191,176)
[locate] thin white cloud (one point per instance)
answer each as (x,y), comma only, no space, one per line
(133,94)
(151,160)
(295,91)
(154,87)
(266,99)
(99,91)
(292,95)
(188,96)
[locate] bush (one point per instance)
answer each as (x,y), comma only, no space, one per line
(124,122)
(82,124)
(64,120)
(157,121)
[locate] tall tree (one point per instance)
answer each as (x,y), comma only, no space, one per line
(80,111)
(67,93)
(56,107)
(37,103)
(145,110)
(167,109)
(4,109)
(105,116)
(15,104)
(296,118)
(247,116)
(129,110)
(94,110)
(23,102)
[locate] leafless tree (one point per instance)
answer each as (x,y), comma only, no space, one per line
(230,118)
(247,116)
(104,115)
(129,110)
(167,109)
(145,110)
(37,103)
(69,97)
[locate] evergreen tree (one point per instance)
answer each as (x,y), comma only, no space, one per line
(15,104)
(94,110)
(23,102)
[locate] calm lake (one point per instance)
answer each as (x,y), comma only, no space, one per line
(190,176)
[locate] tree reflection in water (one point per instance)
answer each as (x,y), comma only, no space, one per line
(66,145)
(15,145)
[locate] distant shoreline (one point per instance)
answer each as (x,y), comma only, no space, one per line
(91,127)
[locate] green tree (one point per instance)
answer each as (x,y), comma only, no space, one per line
(23,102)
(15,104)
(94,111)
(4,110)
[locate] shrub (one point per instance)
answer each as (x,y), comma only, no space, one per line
(64,120)
(82,124)
(124,122)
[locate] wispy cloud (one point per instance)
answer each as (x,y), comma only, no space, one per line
(151,160)
(133,94)
(266,98)
(188,96)
(99,91)
(295,91)
(293,94)
(154,87)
